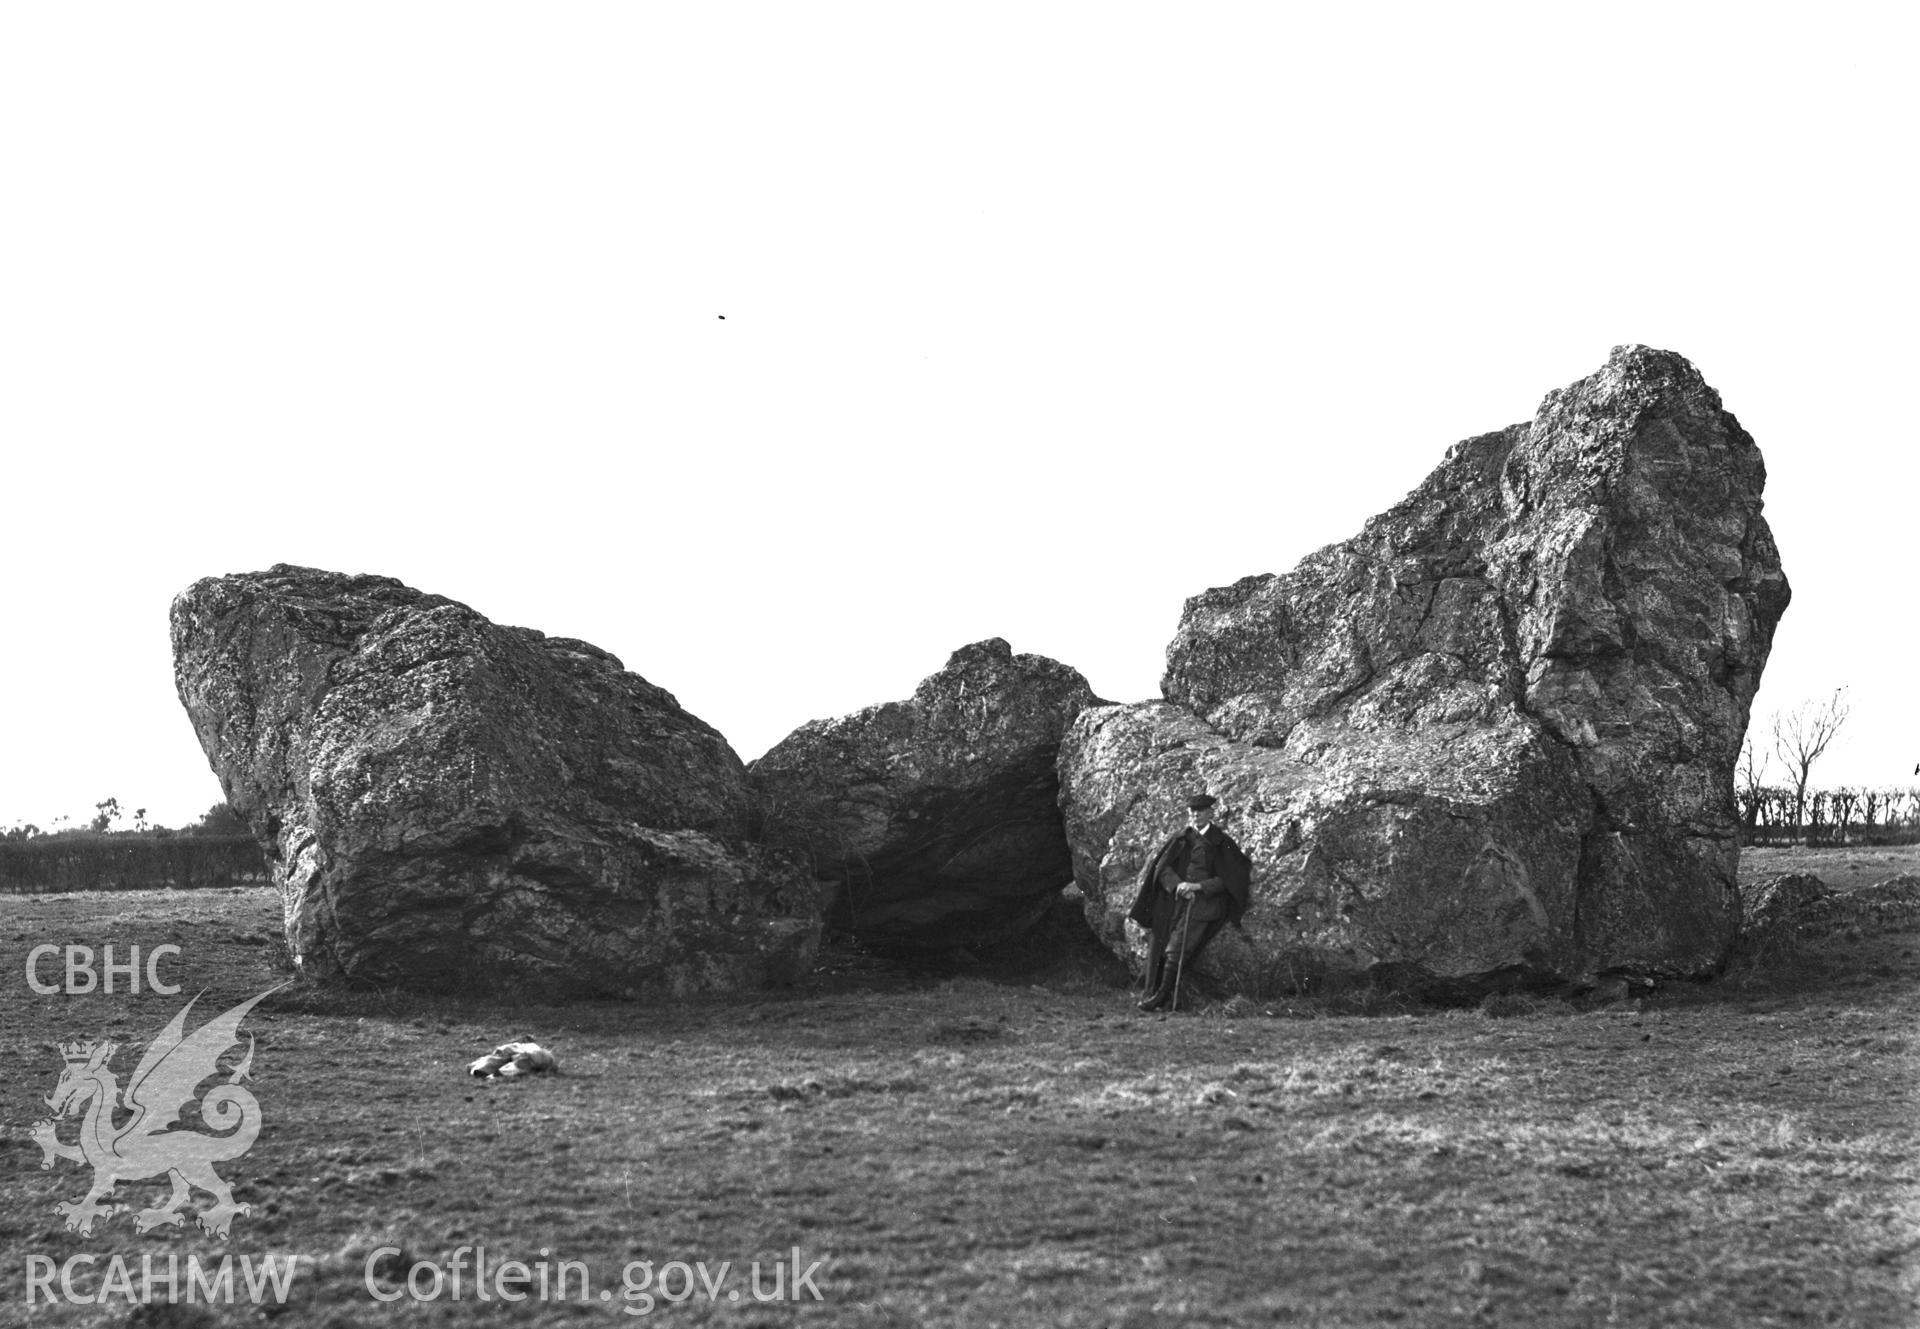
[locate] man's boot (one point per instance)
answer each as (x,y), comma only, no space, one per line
(1163,990)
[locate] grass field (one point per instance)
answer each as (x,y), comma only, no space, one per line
(991,1144)
(1843,869)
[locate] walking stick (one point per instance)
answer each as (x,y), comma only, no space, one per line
(1180,965)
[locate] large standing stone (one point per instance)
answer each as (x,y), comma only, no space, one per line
(446,802)
(935,820)
(1491,735)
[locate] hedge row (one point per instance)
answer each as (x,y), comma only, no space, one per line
(54,863)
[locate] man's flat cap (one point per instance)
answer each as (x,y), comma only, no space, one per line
(1199,801)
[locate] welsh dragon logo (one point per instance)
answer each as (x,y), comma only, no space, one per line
(142,1146)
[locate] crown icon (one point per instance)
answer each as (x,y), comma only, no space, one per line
(77,1053)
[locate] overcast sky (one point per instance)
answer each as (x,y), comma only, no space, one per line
(781,349)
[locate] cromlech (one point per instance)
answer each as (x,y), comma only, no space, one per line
(1490,740)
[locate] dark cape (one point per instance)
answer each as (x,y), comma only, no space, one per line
(1155,909)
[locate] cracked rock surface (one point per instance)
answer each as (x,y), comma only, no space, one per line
(1492,736)
(449,803)
(934,821)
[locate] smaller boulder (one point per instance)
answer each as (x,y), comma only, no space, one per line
(1774,915)
(935,820)
(1788,911)
(1885,906)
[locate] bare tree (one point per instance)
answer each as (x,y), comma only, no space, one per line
(1750,785)
(1817,801)
(1845,800)
(1801,735)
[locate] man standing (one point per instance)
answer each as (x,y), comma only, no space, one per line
(1192,887)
